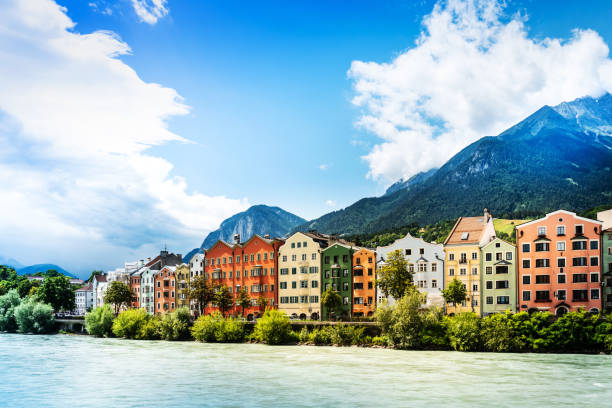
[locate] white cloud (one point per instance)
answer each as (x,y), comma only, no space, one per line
(324,166)
(77,184)
(330,203)
(150,11)
(472,72)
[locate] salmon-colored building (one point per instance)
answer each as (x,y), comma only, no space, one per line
(252,265)
(364,287)
(559,265)
(165,290)
(135,286)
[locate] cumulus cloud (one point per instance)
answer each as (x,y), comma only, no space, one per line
(76,182)
(324,166)
(150,11)
(473,72)
(330,203)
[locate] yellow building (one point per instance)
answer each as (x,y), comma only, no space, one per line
(462,258)
(299,275)
(182,285)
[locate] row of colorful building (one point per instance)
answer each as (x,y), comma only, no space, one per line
(560,263)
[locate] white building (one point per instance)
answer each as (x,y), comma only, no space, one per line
(425,260)
(98,285)
(196,265)
(84,299)
(147,288)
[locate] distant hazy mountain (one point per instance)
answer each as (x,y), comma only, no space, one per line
(10,262)
(32,269)
(412,181)
(559,157)
(259,219)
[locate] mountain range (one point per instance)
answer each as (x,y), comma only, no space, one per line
(558,157)
(258,219)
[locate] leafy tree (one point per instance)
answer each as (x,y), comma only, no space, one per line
(223,298)
(216,328)
(56,291)
(200,292)
(175,325)
(94,273)
(52,273)
(99,322)
(455,293)
(118,294)
(8,304)
(394,278)
(24,287)
(131,324)
(262,301)
(4,287)
(35,317)
(273,328)
(332,300)
(244,300)
(464,332)
(8,273)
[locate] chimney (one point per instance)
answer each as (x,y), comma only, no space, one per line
(236,239)
(267,236)
(487,215)
(180,258)
(148,259)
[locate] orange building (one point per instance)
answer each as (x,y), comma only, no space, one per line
(559,265)
(135,286)
(165,290)
(364,287)
(252,265)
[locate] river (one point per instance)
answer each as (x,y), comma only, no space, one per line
(82,371)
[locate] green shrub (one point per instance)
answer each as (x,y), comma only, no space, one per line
(574,331)
(303,337)
(150,330)
(230,330)
(8,303)
(35,317)
(343,335)
(320,336)
(273,328)
(216,328)
(99,322)
(380,341)
(175,325)
(131,323)
(499,333)
(464,332)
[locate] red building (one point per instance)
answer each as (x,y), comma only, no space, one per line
(559,265)
(135,286)
(165,290)
(252,265)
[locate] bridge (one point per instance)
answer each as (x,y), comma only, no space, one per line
(71,324)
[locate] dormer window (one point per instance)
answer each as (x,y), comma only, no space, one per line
(465,236)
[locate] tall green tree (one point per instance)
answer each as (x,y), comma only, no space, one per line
(244,300)
(24,287)
(332,300)
(223,298)
(455,293)
(262,301)
(56,291)
(118,294)
(94,273)
(200,292)
(394,278)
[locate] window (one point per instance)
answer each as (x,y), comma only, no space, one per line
(526,296)
(508,256)
(560,245)
(304,299)
(594,261)
(579,229)
(314,269)
(345,286)
(580,295)
(303,269)
(526,279)
(498,256)
(542,279)
(462,271)
(561,278)
(313,256)
(409,252)
(434,267)
(293,245)
(502,284)
(293,271)
(580,261)
(579,245)
(526,247)
(314,284)
(304,257)
(345,258)
(503,300)
(282,285)
(501,269)
(489,284)
(542,295)
(422,267)
(463,258)
(451,256)
(542,246)
(595,277)
(594,294)
(526,263)
(541,231)
(489,300)
(561,230)
(284,271)
(579,278)
(294,257)
(345,273)
(561,262)
(284,258)
(314,299)
(489,270)
(303,284)
(594,244)
(358,261)
(326,259)
(434,283)
(370,272)
(561,295)
(488,257)
(304,244)
(465,236)
(345,300)
(475,287)
(474,270)
(451,272)
(474,255)
(294,285)
(299,244)
(358,285)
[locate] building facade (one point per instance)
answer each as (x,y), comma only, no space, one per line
(83,299)
(299,275)
(364,282)
(336,268)
(135,278)
(182,285)
(606,255)
(196,265)
(219,268)
(98,285)
(147,289)
(498,277)
(165,290)
(425,260)
(559,263)
(462,258)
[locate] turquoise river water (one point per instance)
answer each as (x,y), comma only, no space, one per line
(82,371)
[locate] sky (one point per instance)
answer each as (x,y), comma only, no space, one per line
(131,124)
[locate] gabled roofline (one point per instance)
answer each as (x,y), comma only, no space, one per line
(450,234)
(501,239)
(220,242)
(558,212)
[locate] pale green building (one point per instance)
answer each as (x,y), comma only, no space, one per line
(498,277)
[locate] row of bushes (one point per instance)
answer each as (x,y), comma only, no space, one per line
(27,315)
(137,324)
(407,325)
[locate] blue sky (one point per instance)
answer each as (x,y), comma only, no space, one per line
(132,123)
